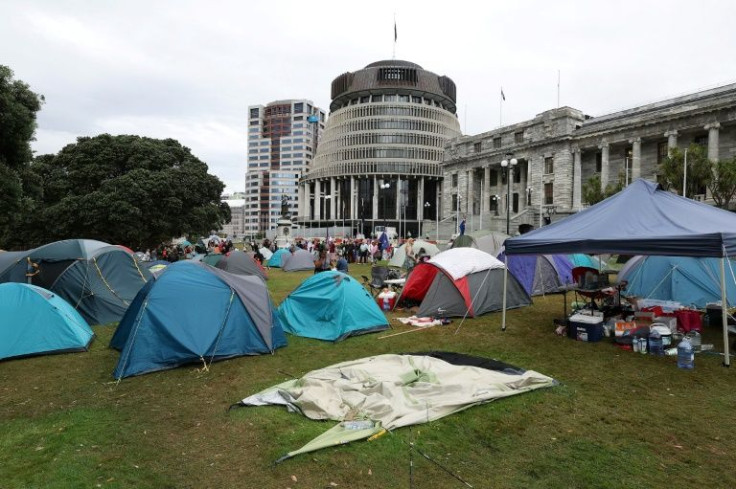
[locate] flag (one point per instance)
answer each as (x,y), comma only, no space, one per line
(502,95)
(395,33)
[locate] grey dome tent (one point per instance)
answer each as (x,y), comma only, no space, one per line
(241,263)
(98,279)
(299,260)
(459,282)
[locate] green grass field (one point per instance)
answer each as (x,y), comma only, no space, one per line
(617,420)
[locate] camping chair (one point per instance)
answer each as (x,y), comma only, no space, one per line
(588,284)
(379,275)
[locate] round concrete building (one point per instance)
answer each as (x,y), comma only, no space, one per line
(378,160)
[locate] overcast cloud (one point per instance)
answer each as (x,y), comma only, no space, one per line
(189,69)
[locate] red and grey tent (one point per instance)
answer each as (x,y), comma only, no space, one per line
(461,281)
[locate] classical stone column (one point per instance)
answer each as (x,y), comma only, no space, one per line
(374,215)
(713,132)
(300,201)
(635,159)
(485,197)
(333,199)
(317,200)
(353,199)
(671,138)
(577,179)
(420,199)
(604,147)
(470,201)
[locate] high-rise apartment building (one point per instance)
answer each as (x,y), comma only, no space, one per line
(282,139)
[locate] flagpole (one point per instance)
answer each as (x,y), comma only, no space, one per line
(395,36)
(558,89)
(500,110)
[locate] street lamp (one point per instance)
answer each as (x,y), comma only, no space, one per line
(508,164)
(496,199)
(427,205)
(384,186)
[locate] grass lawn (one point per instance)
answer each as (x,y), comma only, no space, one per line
(618,419)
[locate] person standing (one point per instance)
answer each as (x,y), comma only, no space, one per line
(462,226)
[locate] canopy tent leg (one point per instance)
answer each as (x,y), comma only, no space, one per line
(724,314)
(505,279)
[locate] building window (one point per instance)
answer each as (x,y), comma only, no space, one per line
(497,142)
(519,137)
(598,162)
(477,147)
(663,151)
(549,165)
(517,174)
(493,178)
(365,99)
(515,203)
(298,107)
(416,100)
(454,201)
(254,113)
(549,196)
(454,179)
(701,141)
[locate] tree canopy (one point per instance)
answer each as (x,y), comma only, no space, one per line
(128,190)
(18,108)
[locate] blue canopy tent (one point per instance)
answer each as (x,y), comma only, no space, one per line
(195,313)
(331,306)
(684,279)
(642,219)
(37,322)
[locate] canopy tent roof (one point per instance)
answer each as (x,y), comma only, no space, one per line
(642,219)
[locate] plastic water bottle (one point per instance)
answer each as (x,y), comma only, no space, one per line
(685,355)
(358,424)
(386,303)
(643,345)
(655,343)
(635,344)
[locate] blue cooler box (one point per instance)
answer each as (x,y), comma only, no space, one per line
(583,327)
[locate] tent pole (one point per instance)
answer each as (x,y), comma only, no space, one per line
(505,279)
(724,314)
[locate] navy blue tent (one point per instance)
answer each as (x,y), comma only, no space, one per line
(642,219)
(195,313)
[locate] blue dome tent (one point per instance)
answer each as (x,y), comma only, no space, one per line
(277,259)
(687,280)
(36,322)
(331,306)
(195,313)
(540,274)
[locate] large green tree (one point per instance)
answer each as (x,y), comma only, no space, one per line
(18,108)
(592,192)
(699,170)
(128,190)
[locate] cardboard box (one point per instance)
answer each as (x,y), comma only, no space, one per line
(583,327)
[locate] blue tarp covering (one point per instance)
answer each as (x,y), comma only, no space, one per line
(195,313)
(687,280)
(34,321)
(642,219)
(331,306)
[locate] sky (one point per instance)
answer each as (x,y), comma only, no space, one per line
(188,70)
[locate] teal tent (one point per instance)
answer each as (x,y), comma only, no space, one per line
(687,280)
(36,322)
(277,259)
(331,306)
(583,260)
(195,313)
(100,280)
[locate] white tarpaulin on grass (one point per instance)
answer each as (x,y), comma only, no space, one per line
(391,391)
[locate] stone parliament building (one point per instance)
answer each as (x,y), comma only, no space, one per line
(562,148)
(392,154)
